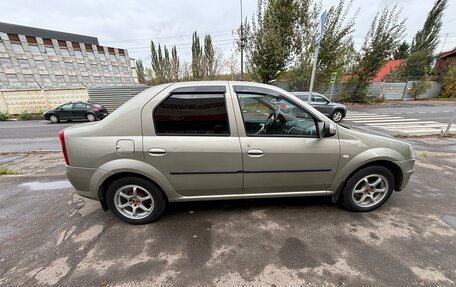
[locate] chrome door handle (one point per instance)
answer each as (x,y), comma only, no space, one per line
(157,151)
(255,152)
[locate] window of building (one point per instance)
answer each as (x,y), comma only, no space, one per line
(116,70)
(65,52)
(30,80)
(31,40)
(97,80)
(13,80)
(56,68)
(60,79)
(62,44)
(94,69)
(47,42)
(50,51)
(90,55)
(78,54)
(35,50)
(74,79)
(2,47)
(46,80)
(41,67)
(82,68)
(17,47)
(25,67)
(7,65)
(14,38)
(70,68)
(273,116)
(192,114)
(118,80)
(86,80)
(106,70)
(102,57)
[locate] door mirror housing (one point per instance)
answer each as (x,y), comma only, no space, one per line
(329,129)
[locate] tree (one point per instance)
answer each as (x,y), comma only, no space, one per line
(336,48)
(383,37)
(425,42)
(209,58)
(164,69)
(140,72)
(197,58)
(449,82)
(402,51)
(270,46)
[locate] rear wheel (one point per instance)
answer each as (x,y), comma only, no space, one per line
(135,200)
(54,119)
(368,188)
(337,116)
(91,117)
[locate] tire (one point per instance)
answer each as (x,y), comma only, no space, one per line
(337,116)
(54,119)
(358,188)
(117,196)
(91,117)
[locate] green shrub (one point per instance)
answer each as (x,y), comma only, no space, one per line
(4,116)
(7,171)
(25,116)
(420,87)
(449,83)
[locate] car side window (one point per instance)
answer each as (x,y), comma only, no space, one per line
(192,114)
(319,99)
(267,115)
(66,107)
(79,106)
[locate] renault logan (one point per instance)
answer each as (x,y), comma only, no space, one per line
(227,140)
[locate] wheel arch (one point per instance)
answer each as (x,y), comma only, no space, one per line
(391,166)
(103,188)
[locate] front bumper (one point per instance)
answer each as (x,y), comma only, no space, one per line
(86,181)
(408,168)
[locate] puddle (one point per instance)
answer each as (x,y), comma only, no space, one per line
(450,220)
(37,185)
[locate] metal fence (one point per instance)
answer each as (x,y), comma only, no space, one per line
(390,91)
(113,97)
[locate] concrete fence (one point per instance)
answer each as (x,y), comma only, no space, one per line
(38,100)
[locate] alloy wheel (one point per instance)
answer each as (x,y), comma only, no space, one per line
(134,201)
(370,190)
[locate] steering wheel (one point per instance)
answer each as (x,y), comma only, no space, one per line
(269,122)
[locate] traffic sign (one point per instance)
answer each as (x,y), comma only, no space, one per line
(333,77)
(321,27)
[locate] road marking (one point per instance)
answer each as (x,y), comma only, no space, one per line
(372,118)
(400,123)
(386,121)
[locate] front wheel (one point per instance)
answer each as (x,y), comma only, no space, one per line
(368,189)
(135,200)
(54,119)
(337,116)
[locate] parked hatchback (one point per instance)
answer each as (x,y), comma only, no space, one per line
(334,111)
(217,140)
(76,111)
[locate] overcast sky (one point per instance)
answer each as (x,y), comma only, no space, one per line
(132,24)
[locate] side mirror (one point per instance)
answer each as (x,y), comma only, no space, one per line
(329,129)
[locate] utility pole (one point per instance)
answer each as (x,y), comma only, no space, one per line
(242,45)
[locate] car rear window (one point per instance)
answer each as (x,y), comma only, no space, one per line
(192,114)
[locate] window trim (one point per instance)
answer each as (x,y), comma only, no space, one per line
(280,96)
(191,135)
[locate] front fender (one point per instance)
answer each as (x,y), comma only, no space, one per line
(348,165)
(134,166)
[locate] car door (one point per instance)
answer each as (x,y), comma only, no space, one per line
(321,103)
(79,111)
(190,136)
(290,156)
(64,111)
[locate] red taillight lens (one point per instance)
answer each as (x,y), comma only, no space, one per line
(62,143)
(96,109)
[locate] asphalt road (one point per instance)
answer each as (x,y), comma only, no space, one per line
(51,236)
(18,136)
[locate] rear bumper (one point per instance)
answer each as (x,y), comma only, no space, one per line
(101,115)
(86,181)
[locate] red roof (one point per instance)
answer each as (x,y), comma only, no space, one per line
(386,69)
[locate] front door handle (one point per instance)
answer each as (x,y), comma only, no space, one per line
(157,151)
(255,152)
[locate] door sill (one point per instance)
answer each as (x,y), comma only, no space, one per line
(252,195)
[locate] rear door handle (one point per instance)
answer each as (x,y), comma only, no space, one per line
(255,152)
(157,151)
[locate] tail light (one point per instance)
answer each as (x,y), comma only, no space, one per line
(62,143)
(95,109)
